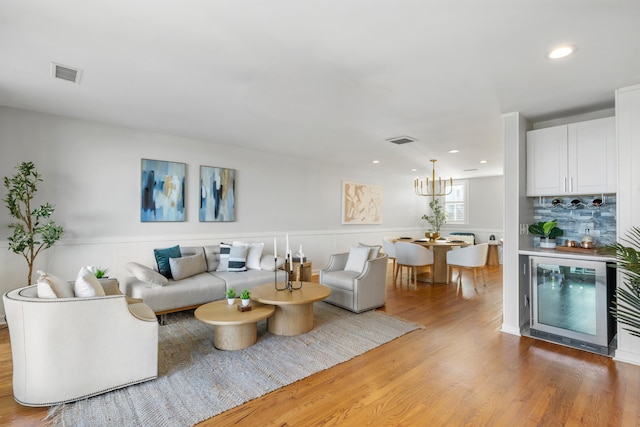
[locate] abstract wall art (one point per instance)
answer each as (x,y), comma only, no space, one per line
(217,194)
(163,191)
(361,203)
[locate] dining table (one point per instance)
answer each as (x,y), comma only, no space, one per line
(440,247)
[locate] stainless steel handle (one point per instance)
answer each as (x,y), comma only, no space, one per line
(565,184)
(571,185)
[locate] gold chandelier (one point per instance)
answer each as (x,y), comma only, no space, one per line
(429,188)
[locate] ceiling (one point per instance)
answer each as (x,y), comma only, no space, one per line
(326,79)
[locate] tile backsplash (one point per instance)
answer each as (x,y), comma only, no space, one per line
(575,214)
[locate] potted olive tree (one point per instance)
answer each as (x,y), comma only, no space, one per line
(548,233)
(33,231)
(438,217)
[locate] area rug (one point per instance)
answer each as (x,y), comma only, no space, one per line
(196,381)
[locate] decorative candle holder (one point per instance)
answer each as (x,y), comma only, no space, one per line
(288,284)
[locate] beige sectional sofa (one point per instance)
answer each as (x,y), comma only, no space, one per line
(197,277)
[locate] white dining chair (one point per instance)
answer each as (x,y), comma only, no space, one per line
(412,256)
(473,257)
(389,248)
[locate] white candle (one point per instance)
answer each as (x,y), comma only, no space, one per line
(275,250)
(287,249)
(290,262)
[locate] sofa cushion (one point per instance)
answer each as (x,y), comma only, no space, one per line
(267,262)
(358,256)
(250,278)
(145,274)
(212,255)
(162,258)
(50,286)
(195,290)
(340,279)
(187,266)
(87,285)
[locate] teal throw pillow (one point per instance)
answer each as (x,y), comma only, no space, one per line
(162,258)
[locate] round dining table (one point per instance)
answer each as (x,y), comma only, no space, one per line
(440,249)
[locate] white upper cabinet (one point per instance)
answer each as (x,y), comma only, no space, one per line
(579,158)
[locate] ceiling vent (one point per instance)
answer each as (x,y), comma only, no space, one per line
(399,140)
(64,72)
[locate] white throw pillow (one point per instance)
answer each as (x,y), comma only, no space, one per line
(254,255)
(358,256)
(374,250)
(187,266)
(146,275)
(87,285)
(267,263)
(50,286)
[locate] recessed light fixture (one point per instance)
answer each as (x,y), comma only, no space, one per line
(414,170)
(483,161)
(454,151)
(561,52)
(375,162)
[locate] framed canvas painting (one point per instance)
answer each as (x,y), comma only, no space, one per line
(162,195)
(361,203)
(217,194)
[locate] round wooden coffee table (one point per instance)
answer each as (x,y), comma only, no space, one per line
(234,330)
(294,310)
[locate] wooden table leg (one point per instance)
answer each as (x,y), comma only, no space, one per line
(291,319)
(235,337)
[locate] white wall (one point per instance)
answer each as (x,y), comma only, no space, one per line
(485,204)
(91,173)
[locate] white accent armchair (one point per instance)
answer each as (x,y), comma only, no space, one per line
(68,349)
(355,291)
(474,257)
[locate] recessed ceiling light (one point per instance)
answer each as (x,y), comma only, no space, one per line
(454,151)
(375,162)
(561,52)
(483,161)
(414,170)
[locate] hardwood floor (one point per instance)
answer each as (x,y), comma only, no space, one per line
(460,370)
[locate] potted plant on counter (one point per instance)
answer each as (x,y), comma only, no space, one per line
(244,296)
(548,233)
(231,295)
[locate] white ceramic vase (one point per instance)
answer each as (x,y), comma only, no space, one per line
(230,301)
(245,302)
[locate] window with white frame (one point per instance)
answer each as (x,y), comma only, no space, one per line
(456,203)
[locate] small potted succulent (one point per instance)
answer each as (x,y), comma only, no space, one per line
(547,232)
(245,296)
(231,295)
(100,273)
